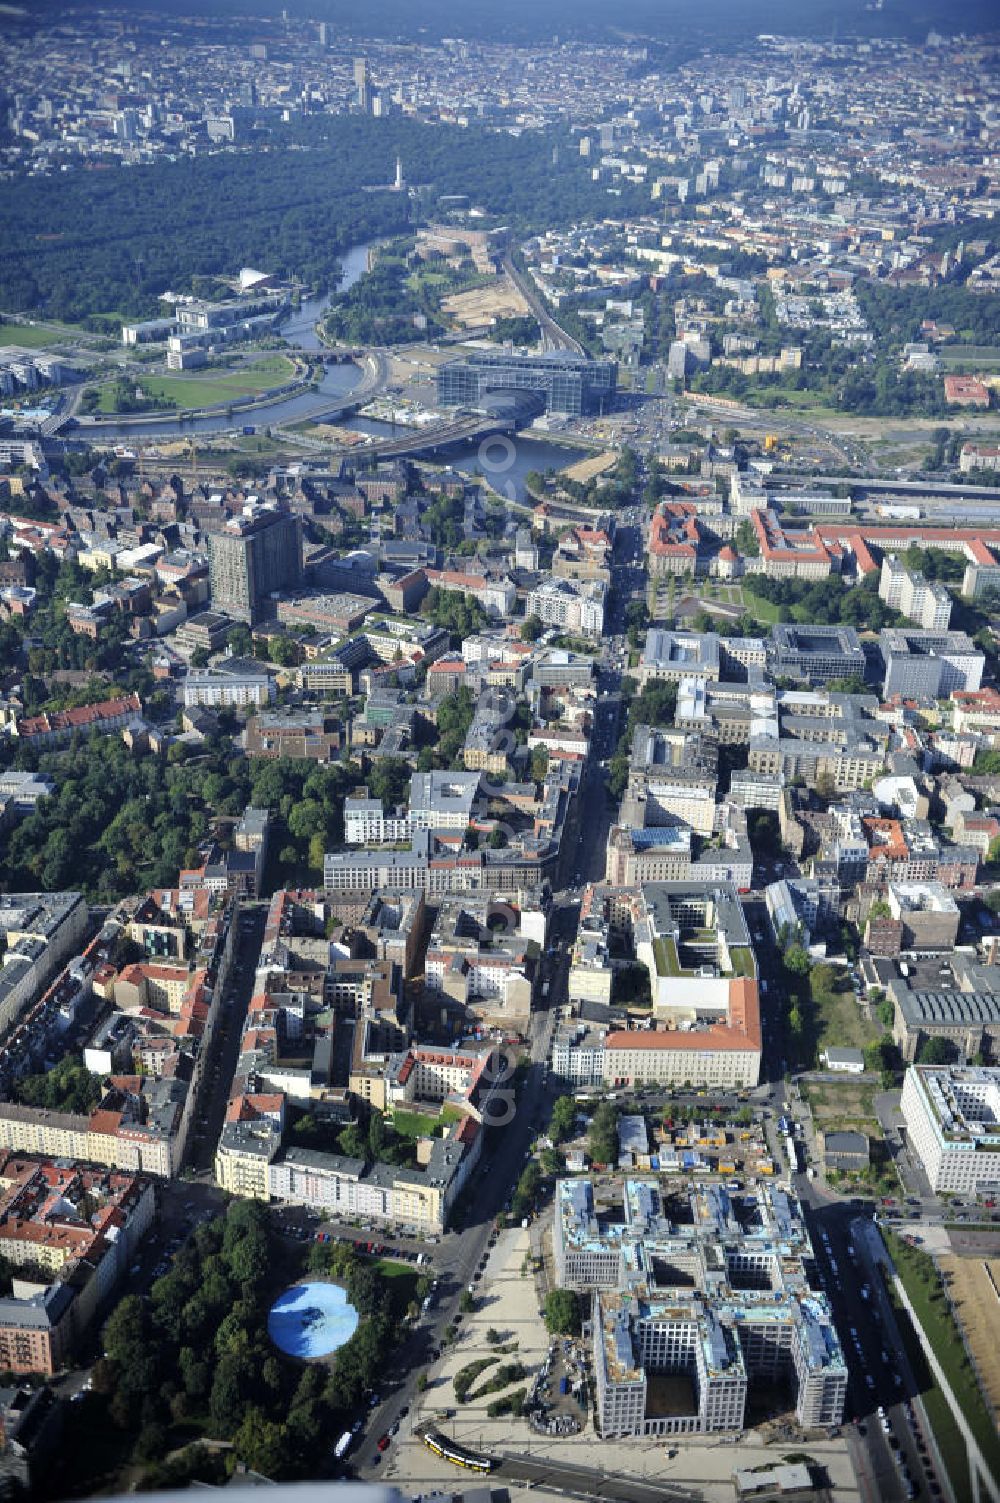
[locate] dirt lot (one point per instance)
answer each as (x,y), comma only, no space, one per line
(333,434)
(842,1105)
(975,1292)
(500,299)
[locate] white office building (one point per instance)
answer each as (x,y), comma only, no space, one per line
(952,1117)
(218,689)
(919,599)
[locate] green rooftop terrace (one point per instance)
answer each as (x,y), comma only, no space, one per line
(668,961)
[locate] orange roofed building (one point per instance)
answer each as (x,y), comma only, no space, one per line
(676,544)
(706,1007)
(785,554)
(965,391)
(107,716)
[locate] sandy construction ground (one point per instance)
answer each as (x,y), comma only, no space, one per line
(975,1283)
(330,432)
(500,299)
(587,469)
(508,1301)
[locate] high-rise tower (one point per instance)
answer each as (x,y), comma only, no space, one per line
(250,558)
(362,84)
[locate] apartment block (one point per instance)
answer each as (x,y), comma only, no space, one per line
(928,913)
(223,688)
(815,653)
(40,931)
(73,1230)
(918,599)
(673,777)
(251,558)
(930,664)
(672,656)
(694,943)
(572,605)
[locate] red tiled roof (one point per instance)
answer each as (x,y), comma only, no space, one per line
(106,1123)
(79,718)
(741,1031)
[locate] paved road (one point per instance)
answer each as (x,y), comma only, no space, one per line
(829,1218)
(226,1048)
(589,1482)
(457,1258)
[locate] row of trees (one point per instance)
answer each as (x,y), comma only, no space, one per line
(655,704)
(602,1139)
(826,600)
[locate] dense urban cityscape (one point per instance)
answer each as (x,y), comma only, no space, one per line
(500,751)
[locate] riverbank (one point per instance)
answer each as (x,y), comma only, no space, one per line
(285,403)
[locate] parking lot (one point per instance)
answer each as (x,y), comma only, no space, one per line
(303,1225)
(557,1401)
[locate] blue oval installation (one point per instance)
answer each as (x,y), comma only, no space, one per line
(311,1320)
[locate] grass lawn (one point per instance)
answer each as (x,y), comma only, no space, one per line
(431,279)
(970,354)
(840,1023)
(802,402)
(214,386)
(762,398)
(30,336)
(257,444)
(922,1282)
(421,1125)
(946,1432)
(764,610)
(414,1124)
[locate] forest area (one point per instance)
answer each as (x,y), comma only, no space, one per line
(112,239)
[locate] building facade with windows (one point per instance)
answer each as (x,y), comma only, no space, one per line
(253,557)
(687,1315)
(569,384)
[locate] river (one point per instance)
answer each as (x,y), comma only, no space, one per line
(504,462)
(300,331)
(300,328)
